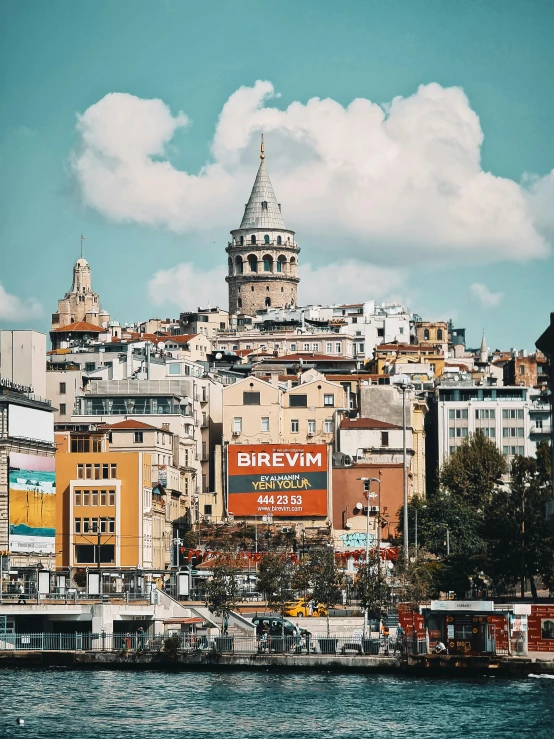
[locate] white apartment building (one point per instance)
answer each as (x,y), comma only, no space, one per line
(283,343)
(515,418)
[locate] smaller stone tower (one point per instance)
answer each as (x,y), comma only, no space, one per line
(263,255)
(81,303)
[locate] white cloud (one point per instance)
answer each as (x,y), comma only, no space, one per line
(388,184)
(486,297)
(14,309)
(187,287)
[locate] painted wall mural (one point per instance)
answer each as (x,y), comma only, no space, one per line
(32,503)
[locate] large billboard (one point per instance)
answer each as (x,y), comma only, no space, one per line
(32,503)
(282,479)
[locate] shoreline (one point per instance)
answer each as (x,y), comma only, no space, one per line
(436,666)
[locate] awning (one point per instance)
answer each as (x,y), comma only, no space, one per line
(194,620)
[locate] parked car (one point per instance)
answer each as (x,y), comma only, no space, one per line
(304,607)
(276,627)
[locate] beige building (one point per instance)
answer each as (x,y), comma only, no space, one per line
(81,303)
(194,347)
(207,321)
(257,412)
(283,343)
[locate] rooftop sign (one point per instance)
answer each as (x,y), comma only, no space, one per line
(11,385)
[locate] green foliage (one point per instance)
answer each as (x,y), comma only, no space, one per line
(470,473)
(520,544)
(373,591)
(418,579)
(275,577)
(325,578)
(172,647)
(222,588)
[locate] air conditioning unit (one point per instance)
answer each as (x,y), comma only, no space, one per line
(236,433)
(374,509)
(310,434)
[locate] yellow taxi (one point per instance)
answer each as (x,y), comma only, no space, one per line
(303,608)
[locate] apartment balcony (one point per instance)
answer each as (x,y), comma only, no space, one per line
(545,429)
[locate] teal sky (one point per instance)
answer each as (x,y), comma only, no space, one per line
(60,57)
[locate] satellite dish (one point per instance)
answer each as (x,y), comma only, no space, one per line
(161,345)
(219,355)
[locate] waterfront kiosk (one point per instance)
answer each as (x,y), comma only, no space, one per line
(472,627)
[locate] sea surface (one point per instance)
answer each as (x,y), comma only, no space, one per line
(98,705)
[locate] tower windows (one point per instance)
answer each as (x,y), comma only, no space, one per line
(253,261)
(267,302)
(279,240)
(268,263)
(238,265)
(266,239)
(264,204)
(253,239)
(439,334)
(239,302)
(281,263)
(230,266)
(241,240)
(252,288)
(426,335)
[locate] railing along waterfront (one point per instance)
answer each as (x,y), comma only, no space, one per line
(187,643)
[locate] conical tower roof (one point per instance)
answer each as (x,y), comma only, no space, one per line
(262,209)
(484,344)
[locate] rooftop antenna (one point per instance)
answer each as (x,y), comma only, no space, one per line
(262,150)
(82,239)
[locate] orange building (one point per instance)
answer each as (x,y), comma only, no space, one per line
(104,503)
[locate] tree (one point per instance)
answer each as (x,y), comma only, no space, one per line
(521,545)
(222,588)
(373,590)
(418,578)
(470,473)
(325,579)
(276,573)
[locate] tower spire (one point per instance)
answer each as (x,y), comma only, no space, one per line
(262,149)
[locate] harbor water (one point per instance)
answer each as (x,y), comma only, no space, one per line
(238,705)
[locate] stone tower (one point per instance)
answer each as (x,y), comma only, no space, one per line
(263,255)
(81,303)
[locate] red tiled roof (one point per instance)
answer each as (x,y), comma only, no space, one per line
(366,423)
(130,423)
(184,339)
(311,356)
(88,328)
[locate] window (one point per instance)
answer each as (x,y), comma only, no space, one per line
(512,413)
(361,348)
(62,388)
(94,497)
(264,207)
(279,240)
(328,425)
(139,438)
(329,400)
(381,332)
(267,264)
(77,497)
(298,401)
(174,368)
(267,302)
(102,497)
(77,528)
(242,240)
(489,432)
(306,347)
(311,427)
(237,425)
(439,334)
(239,302)
(452,449)
(88,471)
(401,329)
(253,262)
(90,366)
(207,509)
(86,525)
(86,497)
(265,423)
(329,347)
(458,432)
(111,525)
(63,409)
(338,346)
(384,438)
(512,451)
(113,471)
(111,497)
(513,432)
(485,413)
(97,469)
(460,413)
(521,369)
(250,398)
(426,335)
(315,347)
(293,347)
(252,239)
(452,432)
(294,426)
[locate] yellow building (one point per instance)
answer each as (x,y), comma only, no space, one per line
(385,356)
(104,504)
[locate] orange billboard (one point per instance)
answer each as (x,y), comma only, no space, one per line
(282,479)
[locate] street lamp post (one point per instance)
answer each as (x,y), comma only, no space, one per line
(404,386)
(370,495)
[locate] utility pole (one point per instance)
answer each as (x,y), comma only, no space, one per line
(404,480)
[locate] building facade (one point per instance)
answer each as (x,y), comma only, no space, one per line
(263,255)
